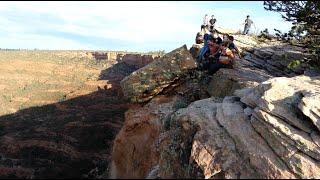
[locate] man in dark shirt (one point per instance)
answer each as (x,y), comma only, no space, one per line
(233,47)
(247,24)
(212,23)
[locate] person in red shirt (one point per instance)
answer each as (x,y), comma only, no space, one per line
(222,57)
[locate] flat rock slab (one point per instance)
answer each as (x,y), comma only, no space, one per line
(143,84)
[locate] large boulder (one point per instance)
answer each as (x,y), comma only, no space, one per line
(143,84)
(295,100)
(225,81)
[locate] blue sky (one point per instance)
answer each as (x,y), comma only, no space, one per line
(132,26)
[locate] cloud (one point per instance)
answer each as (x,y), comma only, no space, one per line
(133,26)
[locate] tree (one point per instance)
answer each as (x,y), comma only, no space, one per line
(305,14)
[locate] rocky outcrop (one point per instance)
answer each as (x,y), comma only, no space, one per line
(135,149)
(275,57)
(253,126)
(267,133)
(261,62)
(150,80)
(137,60)
(225,81)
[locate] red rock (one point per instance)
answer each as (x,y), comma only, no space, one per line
(135,147)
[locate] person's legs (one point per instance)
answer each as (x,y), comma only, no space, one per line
(246,30)
(214,67)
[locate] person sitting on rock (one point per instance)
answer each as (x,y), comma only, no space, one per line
(233,47)
(222,59)
(211,56)
(212,47)
(227,55)
(199,38)
(225,37)
(205,48)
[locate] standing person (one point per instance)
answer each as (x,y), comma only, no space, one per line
(247,24)
(212,23)
(205,23)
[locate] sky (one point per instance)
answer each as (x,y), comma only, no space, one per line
(122,26)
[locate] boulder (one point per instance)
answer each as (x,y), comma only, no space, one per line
(143,84)
(290,99)
(225,81)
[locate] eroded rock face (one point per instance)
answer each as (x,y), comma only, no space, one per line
(275,57)
(135,149)
(221,142)
(150,80)
(267,133)
(269,129)
(137,60)
(292,99)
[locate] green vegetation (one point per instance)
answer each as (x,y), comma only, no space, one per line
(294,64)
(305,18)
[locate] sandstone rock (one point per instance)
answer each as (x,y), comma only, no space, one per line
(309,104)
(299,163)
(224,144)
(195,135)
(233,119)
(299,138)
(230,140)
(270,129)
(264,53)
(112,55)
(137,60)
(150,80)
(195,50)
(225,81)
(281,97)
(135,149)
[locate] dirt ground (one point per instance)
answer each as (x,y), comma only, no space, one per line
(37,78)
